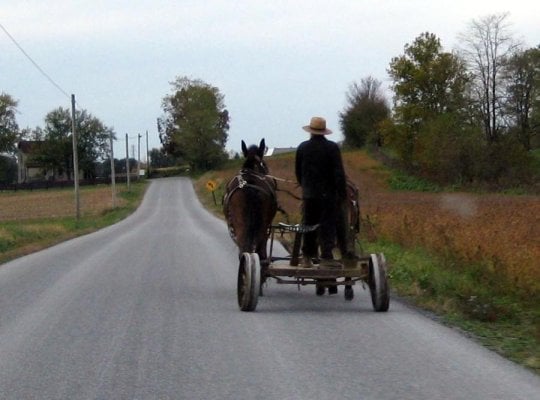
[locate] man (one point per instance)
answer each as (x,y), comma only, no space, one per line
(320,173)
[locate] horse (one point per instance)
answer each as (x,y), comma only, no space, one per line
(250,203)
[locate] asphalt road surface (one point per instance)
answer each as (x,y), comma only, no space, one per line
(147,309)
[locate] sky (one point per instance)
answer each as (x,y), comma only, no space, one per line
(277,63)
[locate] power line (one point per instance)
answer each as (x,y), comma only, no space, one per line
(35,63)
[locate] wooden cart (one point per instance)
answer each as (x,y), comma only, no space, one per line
(252,273)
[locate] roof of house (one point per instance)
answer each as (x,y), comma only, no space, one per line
(279,150)
(26,146)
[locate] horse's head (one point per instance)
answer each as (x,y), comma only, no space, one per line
(254,157)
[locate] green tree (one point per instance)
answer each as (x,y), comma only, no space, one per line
(8,169)
(195,123)
(8,124)
(56,151)
(35,134)
(427,83)
(366,108)
(522,73)
(159,159)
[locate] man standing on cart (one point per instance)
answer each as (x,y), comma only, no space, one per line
(320,173)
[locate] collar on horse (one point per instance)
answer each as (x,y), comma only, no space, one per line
(248,178)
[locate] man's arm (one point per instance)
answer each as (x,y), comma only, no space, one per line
(298,165)
(339,172)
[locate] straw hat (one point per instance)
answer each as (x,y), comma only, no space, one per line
(317,126)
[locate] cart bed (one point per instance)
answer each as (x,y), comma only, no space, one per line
(283,268)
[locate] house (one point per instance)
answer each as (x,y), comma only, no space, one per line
(272,151)
(30,169)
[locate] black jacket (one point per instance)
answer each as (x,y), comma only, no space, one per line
(319,169)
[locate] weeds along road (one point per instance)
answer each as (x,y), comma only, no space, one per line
(146,309)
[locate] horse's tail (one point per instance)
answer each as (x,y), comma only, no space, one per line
(252,212)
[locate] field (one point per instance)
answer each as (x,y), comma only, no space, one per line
(54,203)
(31,221)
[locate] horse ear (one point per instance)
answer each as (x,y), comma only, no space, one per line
(262,148)
(244,149)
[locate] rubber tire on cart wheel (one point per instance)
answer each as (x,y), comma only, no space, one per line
(378,283)
(249,281)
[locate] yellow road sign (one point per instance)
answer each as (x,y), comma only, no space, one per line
(211,185)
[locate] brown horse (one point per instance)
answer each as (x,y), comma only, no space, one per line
(250,203)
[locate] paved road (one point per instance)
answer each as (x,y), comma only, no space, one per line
(146,309)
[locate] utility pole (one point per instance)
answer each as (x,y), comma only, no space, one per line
(75,160)
(127,163)
(113,177)
(147,156)
(138,155)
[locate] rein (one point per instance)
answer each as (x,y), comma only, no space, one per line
(285,190)
(280,179)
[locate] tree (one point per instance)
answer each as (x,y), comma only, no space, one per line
(366,108)
(35,134)
(195,123)
(427,83)
(159,159)
(486,46)
(522,75)
(56,151)
(8,124)
(8,169)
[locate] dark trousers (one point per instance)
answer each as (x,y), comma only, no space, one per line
(324,213)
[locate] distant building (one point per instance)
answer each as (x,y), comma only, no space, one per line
(30,169)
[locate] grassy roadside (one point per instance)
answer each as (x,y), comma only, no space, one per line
(479,305)
(28,231)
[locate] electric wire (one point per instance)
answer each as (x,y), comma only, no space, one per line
(47,76)
(34,63)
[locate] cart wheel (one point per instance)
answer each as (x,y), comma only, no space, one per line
(249,281)
(378,282)
(349,293)
(320,289)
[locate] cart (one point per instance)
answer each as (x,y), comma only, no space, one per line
(253,273)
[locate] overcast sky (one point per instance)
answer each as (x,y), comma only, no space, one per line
(278,63)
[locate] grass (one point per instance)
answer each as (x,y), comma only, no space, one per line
(31,221)
(401,181)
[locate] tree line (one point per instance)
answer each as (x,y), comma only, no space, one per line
(461,117)
(466,116)
(52,145)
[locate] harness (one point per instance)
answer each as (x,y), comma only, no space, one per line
(248,179)
(244,180)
